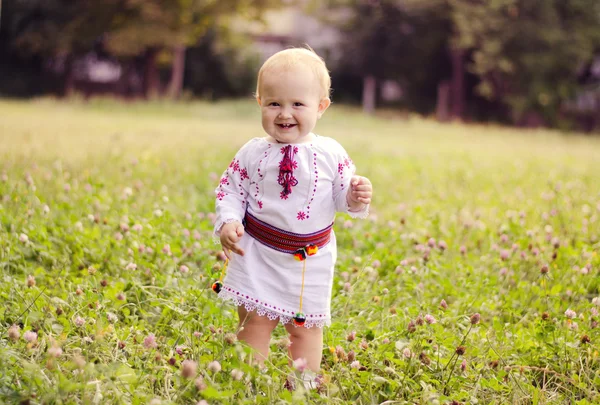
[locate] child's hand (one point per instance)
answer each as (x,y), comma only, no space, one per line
(231,234)
(360,193)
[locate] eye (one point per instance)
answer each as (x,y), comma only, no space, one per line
(298,104)
(273,104)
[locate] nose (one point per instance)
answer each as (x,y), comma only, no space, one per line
(285,113)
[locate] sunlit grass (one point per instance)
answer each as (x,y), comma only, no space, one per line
(102,203)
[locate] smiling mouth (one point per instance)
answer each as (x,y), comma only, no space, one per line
(286,126)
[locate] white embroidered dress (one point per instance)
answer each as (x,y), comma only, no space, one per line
(303,202)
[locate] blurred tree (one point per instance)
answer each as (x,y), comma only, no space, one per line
(152,26)
(50,28)
(402,40)
(128,28)
(528,54)
(222,64)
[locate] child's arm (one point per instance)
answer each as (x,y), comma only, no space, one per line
(359,194)
(351,194)
(231,202)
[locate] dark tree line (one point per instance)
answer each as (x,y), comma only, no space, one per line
(521,61)
(134,31)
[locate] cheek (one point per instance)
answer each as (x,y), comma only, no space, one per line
(310,118)
(267,115)
(306,117)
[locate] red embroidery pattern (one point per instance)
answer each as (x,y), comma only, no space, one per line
(342,167)
(284,241)
(248,298)
(312,197)
(287,165)
(235,167)
(257,190)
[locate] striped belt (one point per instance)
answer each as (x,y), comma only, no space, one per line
(284,241)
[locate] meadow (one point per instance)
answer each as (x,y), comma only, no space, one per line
(474,280)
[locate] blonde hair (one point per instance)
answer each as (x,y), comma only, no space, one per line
(297,56)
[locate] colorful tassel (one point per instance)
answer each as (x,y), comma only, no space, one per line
(299,319)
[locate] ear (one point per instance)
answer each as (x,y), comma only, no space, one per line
(258,101)
(323,105)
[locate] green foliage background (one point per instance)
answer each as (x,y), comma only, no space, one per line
(520,58)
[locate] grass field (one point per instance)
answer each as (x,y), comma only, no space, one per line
(474,280)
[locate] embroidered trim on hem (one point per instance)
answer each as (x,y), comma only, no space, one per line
(272,315)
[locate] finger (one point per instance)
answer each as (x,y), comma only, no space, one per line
(362,180)
(227,252)
(240,231)
(238,250)
(363,187)
(232,237)
(364,200)
(362,194)
(355,180)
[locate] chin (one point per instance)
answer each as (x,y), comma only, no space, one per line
(286,138)
(290,138)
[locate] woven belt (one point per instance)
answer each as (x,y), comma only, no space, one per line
(283,241)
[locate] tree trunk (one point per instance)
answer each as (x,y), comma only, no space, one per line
(443,100)
(69,83)
(151,78)
(457,88)
(369,94)
(177,70)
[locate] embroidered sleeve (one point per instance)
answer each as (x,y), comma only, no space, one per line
(341,185)
(232,191)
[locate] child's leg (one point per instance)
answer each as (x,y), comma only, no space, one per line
(256,331)
(306,343)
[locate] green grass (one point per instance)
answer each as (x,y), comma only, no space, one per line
(77,178)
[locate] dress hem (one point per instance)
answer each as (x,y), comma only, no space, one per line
(272,315)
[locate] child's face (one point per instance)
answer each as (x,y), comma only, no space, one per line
(290,103)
